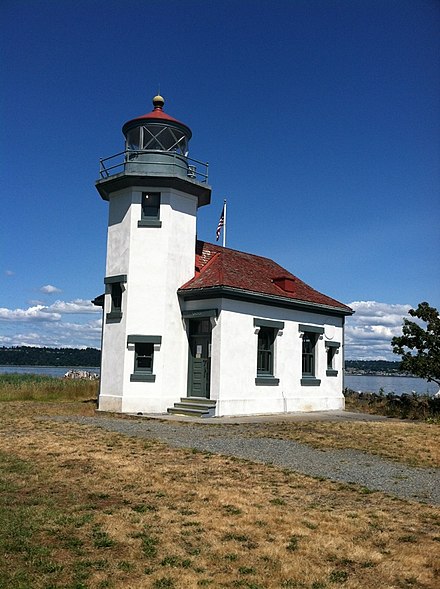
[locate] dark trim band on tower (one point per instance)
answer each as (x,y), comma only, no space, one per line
(108,186)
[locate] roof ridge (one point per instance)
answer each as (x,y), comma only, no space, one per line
(209,262)
(201,270)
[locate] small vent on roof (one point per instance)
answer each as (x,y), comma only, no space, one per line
(286,283)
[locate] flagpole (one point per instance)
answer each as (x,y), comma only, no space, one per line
(224,223)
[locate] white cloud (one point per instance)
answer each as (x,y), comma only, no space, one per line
(46,325)
(58,335)
(75,306)
(369,331)
(52,312)
(49,289)
(9,273)
(36,313)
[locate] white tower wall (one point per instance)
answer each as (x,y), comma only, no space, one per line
(156,261)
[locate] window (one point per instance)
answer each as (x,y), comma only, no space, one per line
(133,139)
(150,205)
(310,337)
(144,347)
(143,358)
(150,210)
(266,338)
(116,295)
(308,354)
(159,137)
(200,327)
(114,288)
(267,333)
(332,350)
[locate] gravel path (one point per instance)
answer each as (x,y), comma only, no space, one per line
(349,466)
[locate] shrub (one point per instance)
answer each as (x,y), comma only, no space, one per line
(403,407)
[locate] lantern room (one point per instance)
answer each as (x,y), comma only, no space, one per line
(156,153)
(157,131)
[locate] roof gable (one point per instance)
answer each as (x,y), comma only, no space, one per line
(223,267)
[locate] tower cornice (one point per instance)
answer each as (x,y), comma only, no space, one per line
(107,186)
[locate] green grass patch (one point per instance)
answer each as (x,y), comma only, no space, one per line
(37,527)
(293,543)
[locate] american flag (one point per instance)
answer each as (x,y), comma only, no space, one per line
(220,224)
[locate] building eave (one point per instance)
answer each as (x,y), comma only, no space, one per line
(107,186)
(228,292)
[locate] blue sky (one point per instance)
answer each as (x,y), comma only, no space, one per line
(320,120)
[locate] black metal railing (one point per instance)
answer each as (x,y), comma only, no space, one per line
(182,165)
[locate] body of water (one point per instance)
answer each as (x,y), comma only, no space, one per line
(58,371)
(390,384)
(371,384)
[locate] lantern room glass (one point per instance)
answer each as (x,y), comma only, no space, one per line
(157,137)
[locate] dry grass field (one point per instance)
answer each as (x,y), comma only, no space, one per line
(84,508)
(412,443)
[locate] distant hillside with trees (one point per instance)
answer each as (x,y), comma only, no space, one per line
(372,367)
(29,356)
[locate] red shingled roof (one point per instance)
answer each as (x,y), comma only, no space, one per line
(223,267)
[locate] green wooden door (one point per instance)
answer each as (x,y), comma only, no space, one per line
(199,359)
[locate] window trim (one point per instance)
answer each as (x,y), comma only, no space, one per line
(268,323)
(267,378)
(267,381)
(150,220)
(144,339)
(310,379)
(115,313)
(144,375)
(115,278)
(311,329)
(270,336)
(333,346)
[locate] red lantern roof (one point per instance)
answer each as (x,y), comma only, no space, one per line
(157,114)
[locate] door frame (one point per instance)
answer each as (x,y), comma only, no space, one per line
(206,342)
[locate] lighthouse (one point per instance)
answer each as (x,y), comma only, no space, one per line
(190,327)
(154,190)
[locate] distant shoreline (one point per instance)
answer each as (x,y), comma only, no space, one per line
(378,373)
(48,365)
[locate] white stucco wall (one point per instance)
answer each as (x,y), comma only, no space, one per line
(234,360)
(238,392)
(157,261)
(117,263)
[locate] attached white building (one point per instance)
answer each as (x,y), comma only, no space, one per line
(192,327)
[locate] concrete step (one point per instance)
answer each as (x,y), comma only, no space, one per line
(190,412)
(198,401)
(193,407)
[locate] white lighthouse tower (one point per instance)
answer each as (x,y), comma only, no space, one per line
(154,190)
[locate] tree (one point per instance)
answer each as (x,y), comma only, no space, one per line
(419,347)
